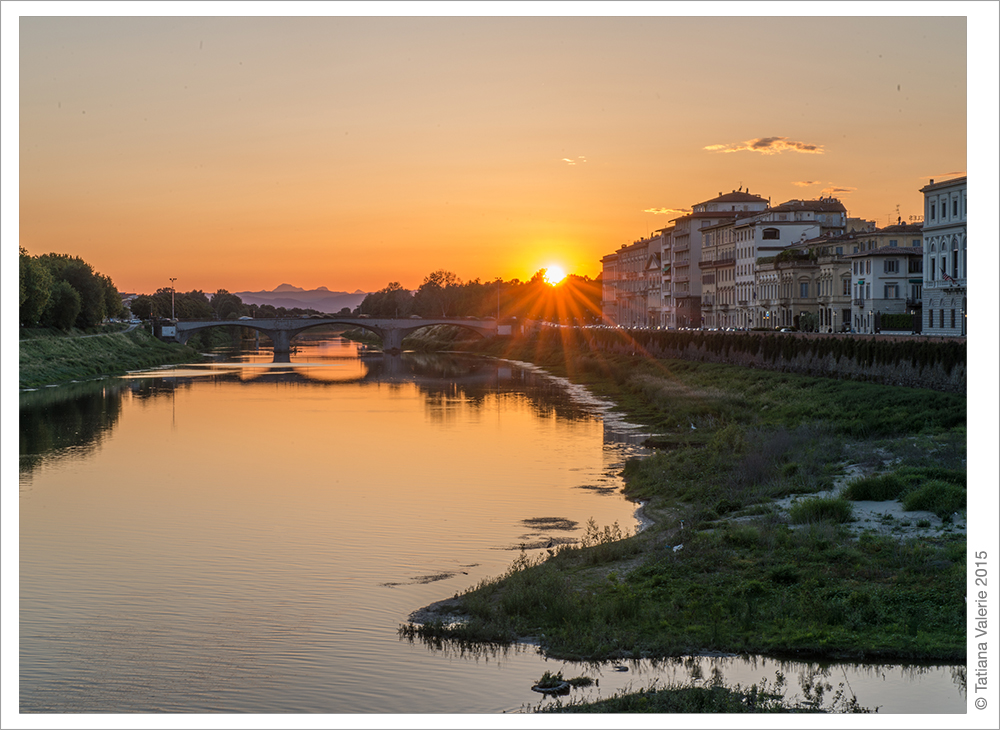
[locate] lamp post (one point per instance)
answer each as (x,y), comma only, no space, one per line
(172,280)
(834,321)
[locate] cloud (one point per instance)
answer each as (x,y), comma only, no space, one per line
(942,176)
(805,183)
(836,190)
(767,146)
(666,211)
(570,161)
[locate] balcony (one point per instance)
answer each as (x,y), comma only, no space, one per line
(858,302)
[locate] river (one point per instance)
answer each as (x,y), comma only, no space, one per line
(247,536)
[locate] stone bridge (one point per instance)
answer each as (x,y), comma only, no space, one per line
(281,330)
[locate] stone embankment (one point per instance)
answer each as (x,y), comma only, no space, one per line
(912,361)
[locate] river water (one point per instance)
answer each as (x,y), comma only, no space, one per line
(247,537)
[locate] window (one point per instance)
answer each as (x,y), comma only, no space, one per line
(891,291)
(868,291)
(890,266)
(930,318)
(915,242)
(771,234)
(893,242)
(941,317)
(954,211)
(846,286)
(916,266)
(932,218)
(933,270)
(915,291)
(803,289)
(868,266)
(953,319)
(840,250)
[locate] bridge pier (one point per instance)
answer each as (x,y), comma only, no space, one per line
(282,340)
(392,339)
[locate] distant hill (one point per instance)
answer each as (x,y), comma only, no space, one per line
(289,296)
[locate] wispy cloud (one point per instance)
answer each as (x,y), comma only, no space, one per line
(806,183)
(667,211)
(571,161)
(838,190)
(767,146)
(942,175)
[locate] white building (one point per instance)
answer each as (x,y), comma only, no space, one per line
(766,235)
(945,262)
(881,284)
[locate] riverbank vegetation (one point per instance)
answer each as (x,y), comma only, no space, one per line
(769,696)
(63,292)
(50,357)
(755,545)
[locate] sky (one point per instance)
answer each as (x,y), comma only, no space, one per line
(349,152)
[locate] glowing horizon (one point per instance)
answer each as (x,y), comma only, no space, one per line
(247,152)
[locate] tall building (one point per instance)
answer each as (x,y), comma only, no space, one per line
(945,262)
(682,298)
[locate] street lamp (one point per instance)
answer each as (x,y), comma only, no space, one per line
(172,280)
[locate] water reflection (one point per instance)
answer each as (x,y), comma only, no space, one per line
(67,421)
(248,535)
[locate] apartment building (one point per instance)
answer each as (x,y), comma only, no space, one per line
(944,257)
(609,288)
(683,250)
(766,235)
(833,280)
(886,280)
(630,293)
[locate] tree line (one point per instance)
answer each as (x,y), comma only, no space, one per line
(63,291)
(576,300)
(196,304)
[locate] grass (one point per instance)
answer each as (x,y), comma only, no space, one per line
(46,358)
(936,489)
(833,509)
(753,585)
(715,697)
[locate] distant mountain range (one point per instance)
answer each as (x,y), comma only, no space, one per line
(289,296)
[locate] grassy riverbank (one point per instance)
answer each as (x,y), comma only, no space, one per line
(47,358)
(754,548)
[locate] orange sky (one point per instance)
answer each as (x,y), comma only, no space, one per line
(242,153)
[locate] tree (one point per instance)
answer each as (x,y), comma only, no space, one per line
(35,287)
(193,305)
(223,303)
(142,306)
(391,301)
(438,295)
(112,299)
(63,308)
(80,275)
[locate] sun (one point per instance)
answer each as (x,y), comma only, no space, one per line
(553,275)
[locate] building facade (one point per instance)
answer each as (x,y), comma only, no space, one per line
(945,264)
(690,271)
(882,281)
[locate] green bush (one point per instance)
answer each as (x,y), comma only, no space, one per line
(877,488)
(821,509)
(937,496)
